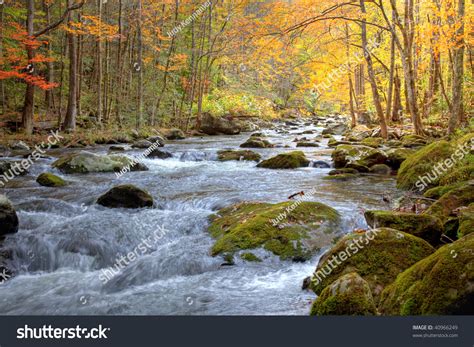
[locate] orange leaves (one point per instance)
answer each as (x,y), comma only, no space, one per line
(93,26)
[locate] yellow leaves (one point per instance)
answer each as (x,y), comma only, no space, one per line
(93,26)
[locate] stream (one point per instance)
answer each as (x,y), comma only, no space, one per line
(66,240)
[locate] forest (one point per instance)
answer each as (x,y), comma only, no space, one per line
(193,157)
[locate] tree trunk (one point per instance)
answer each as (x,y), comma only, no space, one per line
(372,79)
(71,112)
(29,104)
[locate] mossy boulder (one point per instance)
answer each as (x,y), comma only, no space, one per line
(437,192)
(8,217)
(341,177)
(86,162)
(466,221)
(126,196)
(211,125)
(381,169)
(360,155)
(421,164)
(142,144)
(424,226)
(250,257)
(414,141)
(307,144)
(378,261)
(173,134)
(396,156)
(47,179)
(458,175)
(454,199)
(374,142)
(291,160)
(229,155)
(343,171)
(256,142)
(349,295)
(289,230)
(441,284)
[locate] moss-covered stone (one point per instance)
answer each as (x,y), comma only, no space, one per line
(288,230)
(249,256)
(86,162)
(381,169)
(360,155)
(307,144)
(343,171)
(445,206)
(8,217)
(256,142)
(378,261)
(466,221)
(229,155)
(349,295)
(414,141)
(422,163)
(424,226)
(396,156)
(437,192)
(374,142)
(291,160)
(49,180)
(441,284)
(458,175)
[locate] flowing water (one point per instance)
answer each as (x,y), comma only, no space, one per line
(66,240)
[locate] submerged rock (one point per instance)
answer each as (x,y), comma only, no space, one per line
(218,125)
(441,284)
(424,226)
(126,196)
(291,160)
(349,295)
(381,169)
(157,154)
(47,179)
(289,230)
(378,261)
(8,217)
(86,162)
(229,155)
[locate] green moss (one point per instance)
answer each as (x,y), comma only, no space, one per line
(396,156)
(438,192)
(228,155)
(304,229)
(349,295)
(427,227)
(378,261)
(466,221)
(250,257)
(360,155)
(461,174)
(414,141)
(444,207)
(49,180)
(290,160)
(422,163)
(440,284)
(374,142)
(256,142)
(343,171)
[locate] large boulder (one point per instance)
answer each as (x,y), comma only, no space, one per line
(173,134)
(86,162)
(290,160)
(10,169)
(378,256)
(8,218)
(336,129)
(441,284)
(47,179)
(157,154)
(142,144)
(349,295)
(396,156)
(219,125)
(256,142)
(466,221)
(126,196)
(359,155)
(424,226)
(290,230)
(414,141)
(229,155)
(451,201)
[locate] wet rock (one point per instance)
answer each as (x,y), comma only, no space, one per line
(173,134)
(343,172)
(47,179)
(126,196)
(142,144)
(117,149)
(306,283)
(349,295)
(158,140)
(219,125)
(229,155)
(396,156)
(289,230)
(291,160)
(360,155)
(250,257)
(441,284)
(20,146)
(11,169)
(8,217)
(321,165)
(158,154)
(307,144)
(424,226)
(336,129)
(86,162)
(256,142)
(378,261)
(381,169)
